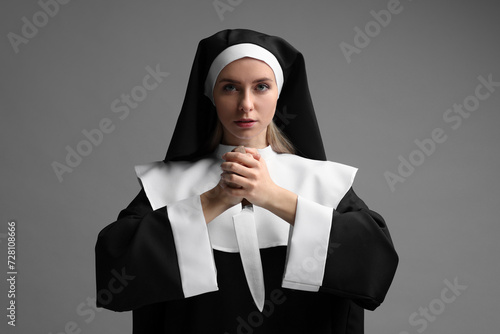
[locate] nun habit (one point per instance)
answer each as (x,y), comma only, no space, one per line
(180,275)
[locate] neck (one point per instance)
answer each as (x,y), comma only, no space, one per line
(254,142)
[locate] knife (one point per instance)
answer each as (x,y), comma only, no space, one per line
(248,243)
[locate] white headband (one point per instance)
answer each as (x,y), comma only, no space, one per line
(239,51)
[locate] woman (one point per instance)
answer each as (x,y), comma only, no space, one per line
(271,239)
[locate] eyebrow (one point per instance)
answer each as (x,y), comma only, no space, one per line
(237,82)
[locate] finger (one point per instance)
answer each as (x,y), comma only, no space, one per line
(228,191)
(235,192)
(244,159)
(235,180)
(236,168)
(240,149)
(254,152)
(225,183)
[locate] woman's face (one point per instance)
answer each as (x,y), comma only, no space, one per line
(245,96)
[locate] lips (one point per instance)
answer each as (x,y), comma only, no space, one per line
(245,122)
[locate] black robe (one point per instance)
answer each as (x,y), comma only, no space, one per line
(137,269)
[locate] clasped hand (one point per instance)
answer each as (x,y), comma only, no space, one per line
(245,175)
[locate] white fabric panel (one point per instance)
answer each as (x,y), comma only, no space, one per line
(308,247)
(300,286)
(194,251)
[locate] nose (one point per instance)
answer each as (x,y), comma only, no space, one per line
(246,101)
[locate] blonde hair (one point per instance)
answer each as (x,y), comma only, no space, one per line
(278,140)
(274,136)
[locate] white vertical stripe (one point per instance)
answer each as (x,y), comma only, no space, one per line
(194,251)
(308,246)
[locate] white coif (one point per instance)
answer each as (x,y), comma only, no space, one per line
(239,51)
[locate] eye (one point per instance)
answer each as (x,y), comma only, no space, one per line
(262,87)
(229,88)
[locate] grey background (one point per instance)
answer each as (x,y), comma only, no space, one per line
(443,218)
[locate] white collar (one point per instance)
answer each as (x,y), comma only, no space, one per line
(167,183)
